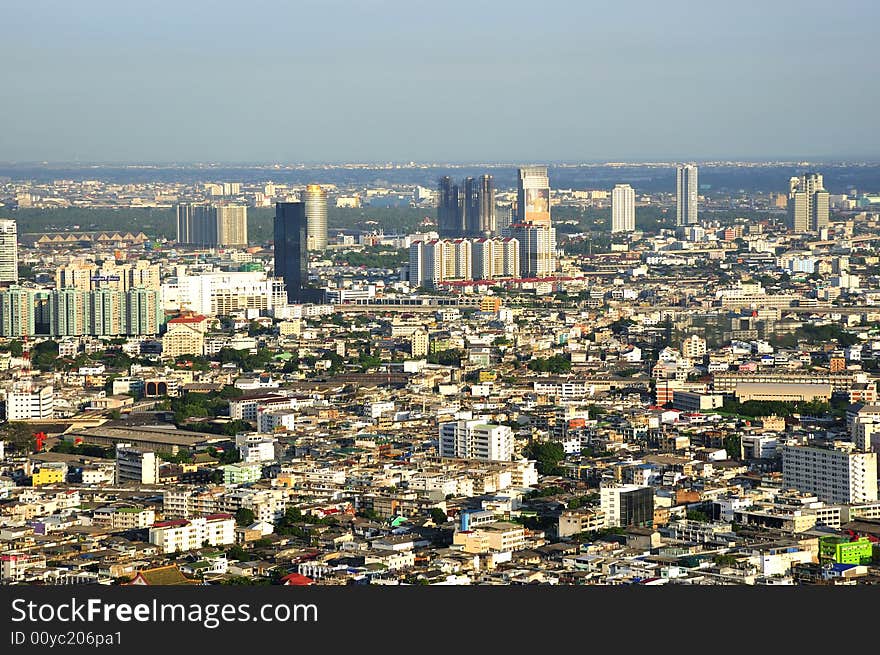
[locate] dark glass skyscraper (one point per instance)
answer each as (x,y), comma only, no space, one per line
(448,214)
(466,209)
(291,255)
(487,225)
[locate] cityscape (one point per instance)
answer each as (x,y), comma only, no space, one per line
(454,382)
(308,306)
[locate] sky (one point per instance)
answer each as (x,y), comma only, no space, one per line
(445,81)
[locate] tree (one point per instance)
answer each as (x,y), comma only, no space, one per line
(733,446)
(438,516)
(19,435)
(244,516)
(547,455)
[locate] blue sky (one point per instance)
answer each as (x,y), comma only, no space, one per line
(383,80)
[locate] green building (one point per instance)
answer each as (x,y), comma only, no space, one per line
(843,551)
(241,473)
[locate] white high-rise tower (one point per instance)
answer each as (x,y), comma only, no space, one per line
(623,208)
(687,192)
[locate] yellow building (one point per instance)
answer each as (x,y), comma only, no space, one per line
(185,336)
(47,475)
(490,304)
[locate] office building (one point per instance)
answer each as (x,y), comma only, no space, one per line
(836,473)
(686,195)
(623,208)
(627,505)
(537,249)
(8,251)
(472,439)
(185,335)
(291,254)
(212,226)
(808,203)
(315,199)
(533,196)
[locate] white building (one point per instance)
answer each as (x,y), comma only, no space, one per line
(181,535)
(222,293)
(23,405)
(687,195)
(255,448)
(8,250)
(136,465)
(473,439)
(623,208)
(836,474)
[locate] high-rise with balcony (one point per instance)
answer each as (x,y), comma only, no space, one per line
(808,203)
(686,195)
(836,472)
(212,226)
(315,199)
(8,251)
(623,208)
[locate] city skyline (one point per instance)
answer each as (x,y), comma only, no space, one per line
(739,99)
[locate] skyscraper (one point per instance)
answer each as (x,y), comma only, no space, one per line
(448,214)
(807,203)
(315,199)
(8,250)
(687,193)
(533,196)
(291,254)
(487,226)
(212,226)
(470,207)
(466,209)
(623,208)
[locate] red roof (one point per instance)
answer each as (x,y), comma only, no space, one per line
(169,524)
(198,318)
(296,579)
(211,517)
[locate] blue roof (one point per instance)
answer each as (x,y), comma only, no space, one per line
(842,567)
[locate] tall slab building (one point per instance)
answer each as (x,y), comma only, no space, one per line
(686,195)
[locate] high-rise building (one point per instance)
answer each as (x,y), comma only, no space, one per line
(212,226)
(495,258)
(537,249)
(623,208)
(476,440)
(466,209)
(8,250)
(17,312)
(448,214)
(143,312)
(315,199)
(291,255)
(533,196)
(837,473)
(808,203)
(232,225)
(686,195)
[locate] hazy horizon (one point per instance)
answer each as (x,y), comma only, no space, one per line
(385,81)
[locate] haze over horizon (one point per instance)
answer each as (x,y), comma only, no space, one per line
(387,81)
